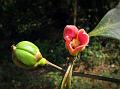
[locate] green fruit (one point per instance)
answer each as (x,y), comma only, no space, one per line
(26,54)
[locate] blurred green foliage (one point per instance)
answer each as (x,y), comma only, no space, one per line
(42,22)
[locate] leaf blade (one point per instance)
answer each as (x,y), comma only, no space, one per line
(109,26)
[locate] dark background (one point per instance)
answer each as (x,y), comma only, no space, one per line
(42,22)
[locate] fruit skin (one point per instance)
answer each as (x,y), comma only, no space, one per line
(26,54)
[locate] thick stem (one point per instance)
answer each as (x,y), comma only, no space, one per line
(86,75)
(114,80)
(96,77)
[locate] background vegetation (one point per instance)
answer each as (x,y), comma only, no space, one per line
(42,22)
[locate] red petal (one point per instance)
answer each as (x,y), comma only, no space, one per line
(83,37)
(70,32)
(69,47)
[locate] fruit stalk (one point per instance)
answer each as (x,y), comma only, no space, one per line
(53,65)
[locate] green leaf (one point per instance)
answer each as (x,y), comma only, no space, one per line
(109,26)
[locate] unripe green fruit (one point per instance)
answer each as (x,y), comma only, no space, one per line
(26,54)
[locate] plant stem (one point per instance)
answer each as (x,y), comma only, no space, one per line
(114,80)
(75,11)
(55,66)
